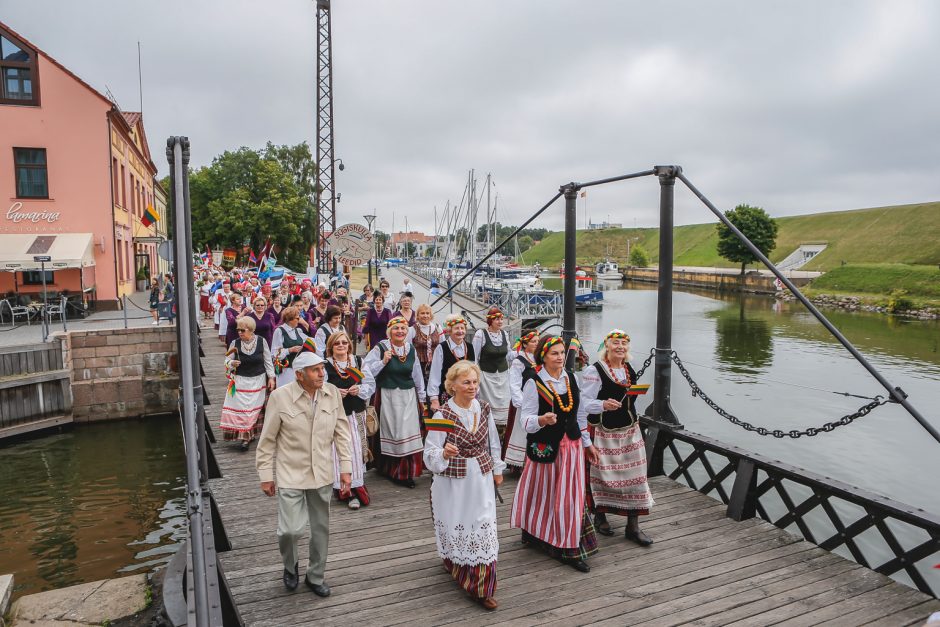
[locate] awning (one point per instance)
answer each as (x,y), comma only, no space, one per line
(67,250)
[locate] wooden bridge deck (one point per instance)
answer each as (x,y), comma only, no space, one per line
(704,568)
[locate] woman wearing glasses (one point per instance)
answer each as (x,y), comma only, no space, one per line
(356,385)
(250,372)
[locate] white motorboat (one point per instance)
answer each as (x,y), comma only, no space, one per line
(608,269)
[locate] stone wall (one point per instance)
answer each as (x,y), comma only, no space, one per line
(122,373)
(753,281)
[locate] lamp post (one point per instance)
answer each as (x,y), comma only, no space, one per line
(370,219)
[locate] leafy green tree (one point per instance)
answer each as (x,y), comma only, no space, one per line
(242,200)
(639,258)
(298,161)
(756,225)
(381,238)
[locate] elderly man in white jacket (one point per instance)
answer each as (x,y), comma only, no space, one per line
(304,419)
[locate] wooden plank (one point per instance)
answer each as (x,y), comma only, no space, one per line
(32,378)
(23,348)
(27,427)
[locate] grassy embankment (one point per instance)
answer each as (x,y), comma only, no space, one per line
(884,249)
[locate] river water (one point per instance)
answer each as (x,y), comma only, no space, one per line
(98,501)
(107,499)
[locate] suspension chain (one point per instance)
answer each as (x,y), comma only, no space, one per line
(864,410)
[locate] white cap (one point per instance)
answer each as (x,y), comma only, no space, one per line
(305,359)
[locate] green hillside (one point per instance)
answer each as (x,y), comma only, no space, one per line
(908,234)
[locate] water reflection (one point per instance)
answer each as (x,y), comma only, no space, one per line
(86,504)
(744,345)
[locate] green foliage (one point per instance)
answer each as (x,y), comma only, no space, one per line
(243,199)
(639,258)
(898,301)
(756,225)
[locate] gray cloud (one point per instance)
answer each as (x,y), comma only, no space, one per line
(797,107)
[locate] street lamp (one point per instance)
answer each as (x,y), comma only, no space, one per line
(370,218)
(340,166)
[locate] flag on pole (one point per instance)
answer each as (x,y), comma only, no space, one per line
(208,256)
(251,257)
(150,216)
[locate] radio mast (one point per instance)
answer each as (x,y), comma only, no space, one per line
(326,164)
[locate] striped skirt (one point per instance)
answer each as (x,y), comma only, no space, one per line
(550,499)
(618,482)
(478,581)
(243,414)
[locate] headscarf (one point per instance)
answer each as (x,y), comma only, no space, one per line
(525,339)
(493,314)
(548,344)
(396,320)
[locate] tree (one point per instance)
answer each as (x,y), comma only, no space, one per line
(756,225)
(298,161)
(381,239)
(244,200)
(639,258)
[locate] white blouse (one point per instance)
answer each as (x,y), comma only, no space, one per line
(530,405)
(434,442)
(436,377)
(515,379)
(374,364)
(277,342)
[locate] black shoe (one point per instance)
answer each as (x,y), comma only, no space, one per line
(602,526)
(409,483)
(245,445)
(527,537)
(319,589)
(579,565)
(637,536)
(291,579)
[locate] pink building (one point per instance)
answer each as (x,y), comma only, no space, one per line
(76,180)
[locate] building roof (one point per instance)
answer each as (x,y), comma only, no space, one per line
(412,237)
(39,50)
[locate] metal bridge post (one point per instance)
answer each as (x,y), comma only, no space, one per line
(661,409)
(571,244)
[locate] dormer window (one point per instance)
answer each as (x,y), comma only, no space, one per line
(19,75)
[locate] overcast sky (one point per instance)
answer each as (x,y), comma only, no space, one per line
(798,107)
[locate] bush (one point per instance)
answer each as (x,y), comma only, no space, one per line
(898,301)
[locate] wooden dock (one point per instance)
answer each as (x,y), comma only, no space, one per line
(704,568)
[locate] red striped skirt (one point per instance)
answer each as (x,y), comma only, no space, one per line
(550,498)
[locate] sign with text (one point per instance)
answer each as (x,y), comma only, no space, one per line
(351,244)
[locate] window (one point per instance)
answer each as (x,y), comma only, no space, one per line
(123,187)
(19,77)
(34,277)
(32,180)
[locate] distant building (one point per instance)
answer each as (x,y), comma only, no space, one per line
(421,245)
(599,226)
(79,178)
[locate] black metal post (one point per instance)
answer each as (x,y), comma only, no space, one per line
(571,266)
(184,297)
(661,409)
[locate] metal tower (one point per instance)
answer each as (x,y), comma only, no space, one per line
(326,172)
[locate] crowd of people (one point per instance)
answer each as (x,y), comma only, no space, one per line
(332,385)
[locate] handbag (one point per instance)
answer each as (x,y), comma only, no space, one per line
(372,421)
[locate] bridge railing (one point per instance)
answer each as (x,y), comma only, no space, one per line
(882,534)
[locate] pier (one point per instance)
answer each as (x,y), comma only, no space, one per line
(705,567)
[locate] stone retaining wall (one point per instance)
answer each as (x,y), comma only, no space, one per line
(122,373)
(753,281)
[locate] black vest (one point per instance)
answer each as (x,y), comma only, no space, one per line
(251,365)
(493,357)
(351,403)
(618,418)
(528,370)
(449,359)
(542,446)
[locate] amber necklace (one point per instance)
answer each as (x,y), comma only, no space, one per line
(561,405)
(613,375)
(401,358)
(340,370)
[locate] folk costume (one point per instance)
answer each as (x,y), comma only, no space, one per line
(618,484)
(265,325)
(376,325)
(446,355)
(425,338)
(324,331)
(243,408)
(399,399)
(286,338)
(463,501)
(492,355)
(550,498)
(344,375)
(219,302)
(521,371)
(231,320)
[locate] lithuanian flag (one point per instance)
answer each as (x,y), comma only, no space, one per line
(310,345)
(439,424)
(150,216)
(638,389)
